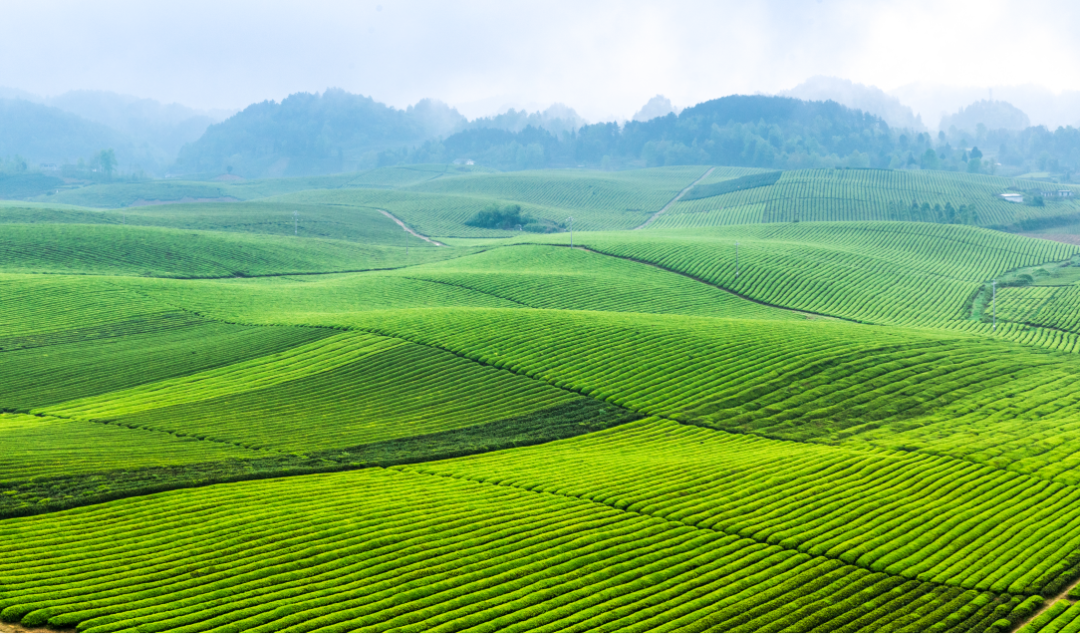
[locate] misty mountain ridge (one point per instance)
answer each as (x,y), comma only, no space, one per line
(658,106)
(1042,106)
(145,134)
(557,119)
(869,99)
(992,115)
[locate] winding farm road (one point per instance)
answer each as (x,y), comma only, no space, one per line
(407,228)
(672,201)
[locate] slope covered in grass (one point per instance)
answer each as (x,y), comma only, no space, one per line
(572,279)
(80,368)
(885,273)
(392,549)
(161,252)
(595,200)
(47,447)
(857,194)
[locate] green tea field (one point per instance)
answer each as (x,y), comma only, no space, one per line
(423,399)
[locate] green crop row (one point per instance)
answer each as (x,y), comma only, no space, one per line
(931,519)
(166,252)
(87,367)
(557,278)
(854,195)
(1047,306)
(392,390)
(897,273)
(395,550)
(43,446)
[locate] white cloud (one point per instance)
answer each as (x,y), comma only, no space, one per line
(603,57)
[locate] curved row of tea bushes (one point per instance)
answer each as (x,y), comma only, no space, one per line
(394,391)
(83,368)
(383,550)
(294,363)
(43,446)
(165,252)
(854,194)
(40,309)
(930,519)
(572,279)
(1048,306)
(890,273)
(596,200)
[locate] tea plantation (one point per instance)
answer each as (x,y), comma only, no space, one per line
(745,400)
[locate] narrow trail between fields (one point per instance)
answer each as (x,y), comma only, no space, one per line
(672,201)
(12,628)
(1047,605)
(805,313)
(407,228)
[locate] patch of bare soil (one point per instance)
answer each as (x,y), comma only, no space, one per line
(11,628)
(187,199)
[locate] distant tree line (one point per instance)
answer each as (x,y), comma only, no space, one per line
(338,131)
(950,215)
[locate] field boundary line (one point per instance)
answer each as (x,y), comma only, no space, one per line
(806,313)
(669,520)
(1047,604)
(468,288)
(674,200)
(407,228)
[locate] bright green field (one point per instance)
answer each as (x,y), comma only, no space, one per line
(209,423)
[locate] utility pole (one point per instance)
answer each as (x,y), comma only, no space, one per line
(571,219)
(993,302)
(295,223)
(736,259)
(406,244)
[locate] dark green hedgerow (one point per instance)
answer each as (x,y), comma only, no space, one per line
(580,416)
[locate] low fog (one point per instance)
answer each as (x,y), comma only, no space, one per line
(606,60)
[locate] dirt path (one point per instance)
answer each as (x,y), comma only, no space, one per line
(11,628)
(673,201)
(406,227)
(1046,606)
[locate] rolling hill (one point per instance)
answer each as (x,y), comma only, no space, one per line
(219,418)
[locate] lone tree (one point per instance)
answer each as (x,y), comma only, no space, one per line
(107,159)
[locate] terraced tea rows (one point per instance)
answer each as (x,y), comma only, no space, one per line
(931,519)
(640,191)
(159,252)
(467,437)
(36,309)
(385,550)
(1047,306)
(859,195)
(571,279)
(597,201)
(395,390)
(47,447)
(84,368)
(902,274)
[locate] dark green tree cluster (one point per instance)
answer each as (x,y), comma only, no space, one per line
(936,213)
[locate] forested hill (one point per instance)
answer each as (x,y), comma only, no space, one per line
(737,130)
(309,134)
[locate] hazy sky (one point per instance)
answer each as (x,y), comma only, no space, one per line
(603,58)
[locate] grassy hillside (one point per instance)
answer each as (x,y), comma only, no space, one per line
(453,554)
(162,252)
(851,194)
(885,273)
(114,195)
(635,434)
(596,200)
